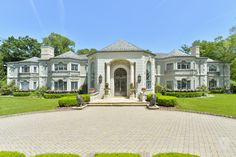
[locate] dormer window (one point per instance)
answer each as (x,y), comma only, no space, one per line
(25,69)
(60,67)
(212,68)
(183,65)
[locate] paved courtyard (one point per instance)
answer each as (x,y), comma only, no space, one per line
(119,129)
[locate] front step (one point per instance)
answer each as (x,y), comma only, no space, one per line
(117,104)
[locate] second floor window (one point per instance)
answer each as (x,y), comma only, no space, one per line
(26,69)
(60,67)
(183,65)
(35,69)
(74,67)
(212,68)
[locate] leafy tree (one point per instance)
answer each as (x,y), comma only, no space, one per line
(15,49)
(185,48)
(59,42)
(233,70)
(86,51)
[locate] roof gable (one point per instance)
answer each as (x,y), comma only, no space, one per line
(122,45)
(33,59)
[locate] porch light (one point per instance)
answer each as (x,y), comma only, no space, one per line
(100,78)
(139,78)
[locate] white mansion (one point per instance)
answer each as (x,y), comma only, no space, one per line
(120,65)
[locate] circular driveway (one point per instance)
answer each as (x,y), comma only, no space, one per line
(119,129)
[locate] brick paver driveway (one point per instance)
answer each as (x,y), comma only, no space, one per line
(119,129)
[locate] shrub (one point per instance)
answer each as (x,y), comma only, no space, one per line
(57,95)
(71,100)
(168,101)
(40,91)
(185,94)
(83,89)
(8,89)
(233,86)
(21,93)
(11,154)
(216,91)
(57,155)
(203,89)
(117,155)
(160,89)
(174,155)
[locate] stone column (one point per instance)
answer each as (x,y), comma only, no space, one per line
(132,79)
(108,73)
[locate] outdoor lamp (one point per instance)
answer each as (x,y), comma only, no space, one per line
(100,78)
(139,78)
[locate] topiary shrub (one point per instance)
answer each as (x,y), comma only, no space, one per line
(11,154)
(174,155)
(21,93)
(71,100)
(57,155)
(185,94)
(168,101)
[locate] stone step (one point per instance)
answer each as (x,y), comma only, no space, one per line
(117,104)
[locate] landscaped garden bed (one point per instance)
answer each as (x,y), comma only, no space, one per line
(167,101)
(71,100)
(185,94)
(174,155)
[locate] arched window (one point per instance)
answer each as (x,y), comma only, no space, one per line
(92,75)
(148,75)
(184,84)
(212,84)
(212,68)
(60,85)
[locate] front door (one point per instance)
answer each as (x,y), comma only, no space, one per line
(120,77)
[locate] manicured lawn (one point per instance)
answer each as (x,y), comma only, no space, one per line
(224,104)
(13,105)
(174,155)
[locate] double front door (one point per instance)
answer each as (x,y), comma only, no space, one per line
(120,77)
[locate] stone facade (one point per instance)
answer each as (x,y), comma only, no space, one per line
(120,65)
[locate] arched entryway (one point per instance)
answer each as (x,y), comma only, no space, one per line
(120,82)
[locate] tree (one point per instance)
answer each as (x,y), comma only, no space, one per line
(185,48)
(60,43)
(15,49)
(233,70)
(86,51)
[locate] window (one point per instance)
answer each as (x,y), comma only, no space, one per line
(35,69)
(169,85)
(26,69)
(212,84)
(34,85)
(184,84)
(183,65)
(74,85)
(92,75)
(74,67)
(60,67)
(148,75)
(169,66)
(212,68)
(60,85)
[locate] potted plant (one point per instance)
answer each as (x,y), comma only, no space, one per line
(107,89)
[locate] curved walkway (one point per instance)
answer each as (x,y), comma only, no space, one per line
(119,129)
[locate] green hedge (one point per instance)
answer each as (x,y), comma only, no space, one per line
(71,100)
(185,94)
(11,154)
(57,155)
(168,101)
(174,155)
(21,93)
(57,95)
(216,91)
(117,155)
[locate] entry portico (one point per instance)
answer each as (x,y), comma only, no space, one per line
(119,65)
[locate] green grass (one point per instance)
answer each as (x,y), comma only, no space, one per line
(13,105)
(117,155)
(174,155)
(57,155)
(11,154)
(223,104)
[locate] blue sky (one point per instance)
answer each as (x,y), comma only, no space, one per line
(158,25)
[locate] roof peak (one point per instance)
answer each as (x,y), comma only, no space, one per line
(122,45)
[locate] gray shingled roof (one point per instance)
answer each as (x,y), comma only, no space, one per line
(173,53)
(122,45)
(33,59)
(72,55)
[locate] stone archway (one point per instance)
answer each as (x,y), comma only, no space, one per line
(120,82)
